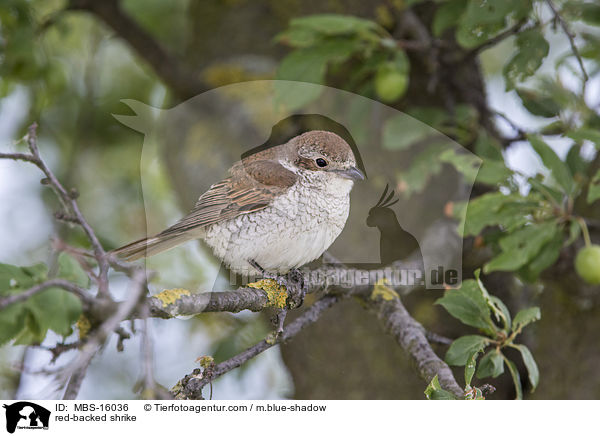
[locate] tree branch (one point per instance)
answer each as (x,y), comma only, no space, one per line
(251,299)
(190,386)
(411,336)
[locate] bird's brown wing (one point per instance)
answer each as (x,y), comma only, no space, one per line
(251,186)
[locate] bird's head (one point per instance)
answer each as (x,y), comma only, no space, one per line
(323,155)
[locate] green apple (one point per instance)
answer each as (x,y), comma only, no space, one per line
(587,264)
(390,83)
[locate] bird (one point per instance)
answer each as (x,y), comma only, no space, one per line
(277,210)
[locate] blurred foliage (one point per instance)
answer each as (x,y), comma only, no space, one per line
(73,72)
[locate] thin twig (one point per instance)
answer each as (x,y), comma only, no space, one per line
(52,283)
(190,386)
(571,37)
(78,368)
(438,339)
(68,200)
(521,133)
(513,30)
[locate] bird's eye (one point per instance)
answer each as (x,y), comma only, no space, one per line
(321,162)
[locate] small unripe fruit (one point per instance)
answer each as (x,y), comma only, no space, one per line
(587,264)
(390,83)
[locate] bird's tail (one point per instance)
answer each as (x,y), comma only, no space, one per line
(146,247)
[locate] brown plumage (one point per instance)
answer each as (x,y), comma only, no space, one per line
(254,183)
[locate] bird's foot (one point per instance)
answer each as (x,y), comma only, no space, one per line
(293,282)
(296,286)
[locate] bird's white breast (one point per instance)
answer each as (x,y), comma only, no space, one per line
(294,230)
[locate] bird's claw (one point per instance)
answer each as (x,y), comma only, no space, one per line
(293,281)
(296,287)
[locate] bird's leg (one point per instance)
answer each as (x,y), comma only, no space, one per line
(293,281)
(264,273)
(295,285)
(280,315)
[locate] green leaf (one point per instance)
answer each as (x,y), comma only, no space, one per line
(463,348)
(14,278)
(434,391)
(591,48)
(70,269)
(470,367)
(485,18)
(447,16)
(586,134)
(538,103)
(560,170)
(468,305)
(402,131)
(434,117)
(548,254)
(12,321)
(56,310)
(421,169)
(557,127)
(532,48)
(516,378)
(493,172)
(496,208)
(298,37)
(590,13)
(594,188)
(521,246)
(500,308)
(53,309)
(309,65)
(465,163)
(333,24)
(544,189)
(574,160)
(525,317)
(491,364)
(496,305)
(529,361)
(487,147)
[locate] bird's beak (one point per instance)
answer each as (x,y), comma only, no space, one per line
(352,173)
